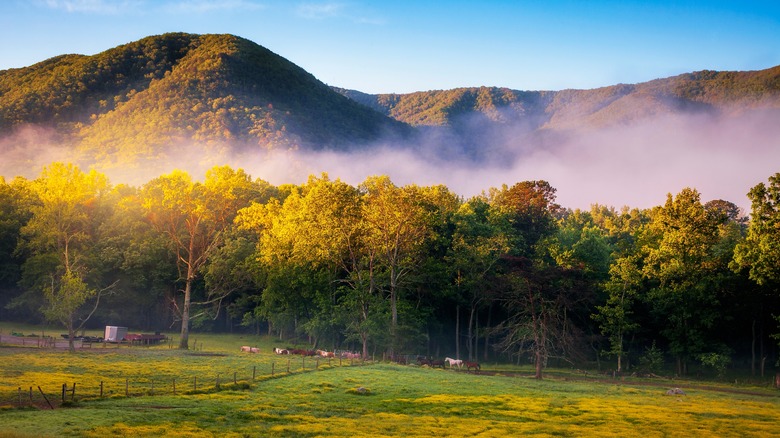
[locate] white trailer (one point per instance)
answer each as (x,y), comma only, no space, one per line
(114,333)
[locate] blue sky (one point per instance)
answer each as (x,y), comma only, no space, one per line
(404,46)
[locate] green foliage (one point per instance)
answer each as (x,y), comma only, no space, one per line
(717,361)
(760,250)
(64,297)
(652,361)
(681,264)
(384,268)
(141,99)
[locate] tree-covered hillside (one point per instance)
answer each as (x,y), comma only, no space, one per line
(715,92)
(144,97)
(222,93)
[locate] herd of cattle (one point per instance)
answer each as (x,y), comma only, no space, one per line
(421,360)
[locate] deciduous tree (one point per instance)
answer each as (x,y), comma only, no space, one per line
(193,217)
(62,233)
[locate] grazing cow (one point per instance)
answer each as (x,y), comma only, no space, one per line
(437,363)
(254,350)
(350,355)
(246,348)
(324,353)
(281,351)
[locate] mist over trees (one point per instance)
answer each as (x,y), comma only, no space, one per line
(380,268)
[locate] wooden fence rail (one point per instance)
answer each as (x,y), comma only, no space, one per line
(155,386)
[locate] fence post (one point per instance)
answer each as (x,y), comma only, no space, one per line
(127,392)
(303,362)
(288,366)
(31,400)
(174,386)
(217,386)
(45,398)
(195,383)
(234,378)
(272,369)
(254,370)
(101,389)
(20,396)
(64,385)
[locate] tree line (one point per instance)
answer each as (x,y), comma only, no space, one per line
(508,274)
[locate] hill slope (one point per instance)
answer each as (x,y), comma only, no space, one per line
(169,94)
(141,98)
(727,93)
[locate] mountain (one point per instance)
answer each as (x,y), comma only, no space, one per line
(712,92)
(138,99)
(170,93)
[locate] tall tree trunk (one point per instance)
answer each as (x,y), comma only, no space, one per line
(457,330)
(539,361)
(476,337)
(184,343)
(537,325)
(470,337)
(541,341)
(487,332)
(393,310)
(753,348)
(71,334)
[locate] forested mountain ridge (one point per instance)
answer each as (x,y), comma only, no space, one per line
(726,92)
(223,93)
(142,97)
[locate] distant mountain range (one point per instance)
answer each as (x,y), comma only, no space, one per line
(705,91)
(139,100)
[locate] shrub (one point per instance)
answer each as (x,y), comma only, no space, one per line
(716,361)
(652,361)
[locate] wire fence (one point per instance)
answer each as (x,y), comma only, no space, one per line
(49,396)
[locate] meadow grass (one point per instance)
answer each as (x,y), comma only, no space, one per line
(374,400)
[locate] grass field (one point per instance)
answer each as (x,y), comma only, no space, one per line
(371,400)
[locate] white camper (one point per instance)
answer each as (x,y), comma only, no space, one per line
(114,333)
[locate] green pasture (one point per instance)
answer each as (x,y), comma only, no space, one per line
(376,399)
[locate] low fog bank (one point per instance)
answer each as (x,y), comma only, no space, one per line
(634,165)
(29,149)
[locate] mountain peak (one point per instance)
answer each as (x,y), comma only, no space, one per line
(176,88)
